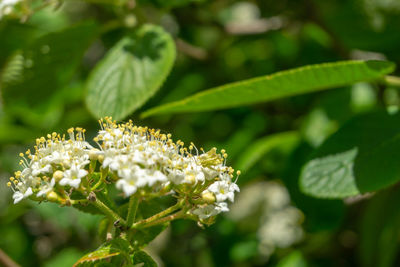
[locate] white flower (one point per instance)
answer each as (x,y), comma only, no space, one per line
(206,212)
(46,188)
(221,207)
(154,177)
(223,190)
(129,185)
(40,167)
(18,195)
(73,176)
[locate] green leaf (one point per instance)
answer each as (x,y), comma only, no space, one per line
(287,83)
(48,64)
(113,248)
(148,208)
(260,147)
(141,257)
(321,215)
(360,157)
(130,73)
(379,230)
(144,236)
(18,35)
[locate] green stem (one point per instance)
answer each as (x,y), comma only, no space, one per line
(107,211)
(97,184)
(178,215)
(132,208)
(158,215)
(78,201)
(392,80)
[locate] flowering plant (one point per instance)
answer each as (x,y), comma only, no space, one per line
(144,164)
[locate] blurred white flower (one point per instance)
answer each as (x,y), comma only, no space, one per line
(280,223)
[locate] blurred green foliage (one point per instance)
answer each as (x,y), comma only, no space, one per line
(45,63)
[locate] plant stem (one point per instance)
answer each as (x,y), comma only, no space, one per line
(132,208)
(97,184)
(78,201)
(6,261)
(177,215)
(107,211)
(392,80)
(158,216)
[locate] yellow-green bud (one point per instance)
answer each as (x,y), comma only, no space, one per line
(52,196)
(208,197)
(190,178)
(130,21)
(93,155)
(58,175)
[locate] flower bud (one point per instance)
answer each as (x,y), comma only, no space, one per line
(93,154)
(58,175)
(191,179)
(208,197)
(52,196)
(66,164)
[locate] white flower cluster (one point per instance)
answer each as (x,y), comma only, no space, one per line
(139,160)
(55,161)
(146,159)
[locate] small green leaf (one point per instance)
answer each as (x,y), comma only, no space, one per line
(113,248)
(144,236)
(260,147)
(282,84)
(360,157)
(130,73)
(141,257)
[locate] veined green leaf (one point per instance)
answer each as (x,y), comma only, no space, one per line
(141,257)
(282,84)
(141,237)
(130,73)
(361,157)
(113,248)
